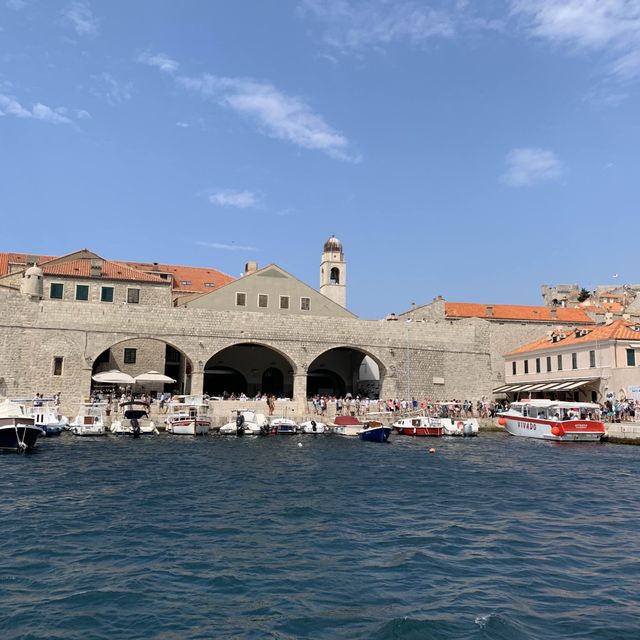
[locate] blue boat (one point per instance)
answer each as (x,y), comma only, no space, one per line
(374,432)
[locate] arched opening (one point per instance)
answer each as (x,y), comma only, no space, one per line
(223,382)
(140,355)
(342,371)
(252,369)
(334,276)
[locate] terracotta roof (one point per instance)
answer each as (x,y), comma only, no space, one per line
(605,307)
(183,279)
(6,259)
(187,279)
(515,312)
(110,271)
(618,330)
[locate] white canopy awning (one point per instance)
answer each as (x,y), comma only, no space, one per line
(153,376)
(558,385)
(113,377)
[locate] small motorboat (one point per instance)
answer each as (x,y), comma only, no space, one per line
(347,426)
(283,426)
(18,431)
(89,421)
(190,417)
(312,427)
(419,426)
(135,413)
(374,431)
(47,418)
(246,423)
(460,427)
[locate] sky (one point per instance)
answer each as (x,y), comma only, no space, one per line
(470,149)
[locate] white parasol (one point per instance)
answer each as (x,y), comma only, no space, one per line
(113,377)
(153,376)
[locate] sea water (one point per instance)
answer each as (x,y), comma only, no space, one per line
(175,537)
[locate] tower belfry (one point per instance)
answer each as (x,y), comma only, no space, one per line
(333,272)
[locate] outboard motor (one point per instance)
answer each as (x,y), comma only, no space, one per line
(467,430)
(135,425)
(265,430)
(314,426)
(240,425)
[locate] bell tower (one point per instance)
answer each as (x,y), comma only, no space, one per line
(333,272)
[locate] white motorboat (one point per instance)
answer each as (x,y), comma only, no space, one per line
(90,420)
(283,426)
(246,423)
(18,431)
(313,427)
(462,427)
(347,426)
(190,417)
(553,420)
(419,426)
(135,421)
(46,416)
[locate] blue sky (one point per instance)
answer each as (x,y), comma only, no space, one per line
(470,149)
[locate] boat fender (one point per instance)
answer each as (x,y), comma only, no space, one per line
(432,450)
(502,422)
(239,421)
(557,430)
(460,425)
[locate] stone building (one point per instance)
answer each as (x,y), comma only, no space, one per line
(71,317)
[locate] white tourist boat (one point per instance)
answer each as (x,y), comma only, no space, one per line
(246,423)
(135,421)
(313,427)
(553,420)
(46,416)
(189,418)
(18,431)
(90,420)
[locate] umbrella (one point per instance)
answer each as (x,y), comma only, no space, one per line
(153,376)
(113,377)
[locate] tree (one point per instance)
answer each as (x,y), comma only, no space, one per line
(583,295)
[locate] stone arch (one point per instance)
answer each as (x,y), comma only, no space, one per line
(138,354)
(341,367)
(252,360)
(334,275)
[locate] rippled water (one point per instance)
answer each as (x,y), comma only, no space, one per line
(179,538)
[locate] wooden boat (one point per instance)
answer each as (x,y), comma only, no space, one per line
(190,417)
(374,431)
(553,420)
(419,426)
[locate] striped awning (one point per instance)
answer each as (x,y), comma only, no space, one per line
(558,385)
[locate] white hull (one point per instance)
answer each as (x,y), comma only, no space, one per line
(350,430)
(459,427)
(190,428)
(312,427)
(522,427)
(88,430)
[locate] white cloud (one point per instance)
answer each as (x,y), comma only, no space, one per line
(10,106)
(238,199)
(182,125)
(609,26)
(353,25)
(226,247)
(530,165)
(277,114)
(81,17)
(114,91)
(16,5)
(160,60)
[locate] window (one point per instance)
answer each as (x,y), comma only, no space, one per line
(631,357)
(185,283)
(106,294)
(57,365)
(526,366)
(284,302)
(209,285)
(574,360)
(592,359)
(82,292)
(513,368)
(538,368)
(305,304)
(56,291)
(133,296)
(263,300)
(559,362)
(241,299)
(130,356)
(548,363)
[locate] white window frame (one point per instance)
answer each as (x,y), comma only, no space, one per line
(266,306)
(133,289)
(288,299)
(113,298)
(241,293)
(50,285)
(88,293)
(309,303)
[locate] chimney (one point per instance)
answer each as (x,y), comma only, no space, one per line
(413,306)
(554,313)
(489,311)
(155,266)
(250,267)
(96,269)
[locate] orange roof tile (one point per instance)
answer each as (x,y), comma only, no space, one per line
(618,330)
(515,312)
(187,279)
(110,271)
(7,259)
